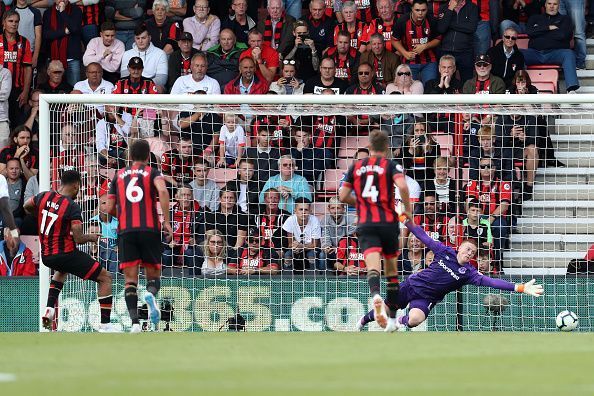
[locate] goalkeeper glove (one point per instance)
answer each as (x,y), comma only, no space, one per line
(530,288)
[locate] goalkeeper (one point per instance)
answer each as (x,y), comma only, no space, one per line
(449,271)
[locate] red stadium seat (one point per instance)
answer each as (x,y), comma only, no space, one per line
(351,144)
(332,179)
(545,79)
(222,175)
(318,209)
(343,163)
(158,146)
(446,142)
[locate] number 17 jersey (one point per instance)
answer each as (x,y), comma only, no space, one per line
(372,179)
(134,191)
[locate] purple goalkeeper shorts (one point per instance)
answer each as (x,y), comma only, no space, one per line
(407,296)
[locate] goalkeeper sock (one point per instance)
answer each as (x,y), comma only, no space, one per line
(153,286)
(54,291)
(392,290)
(131,297)
(368,318)
(404,321)
(105,303)
(373,279)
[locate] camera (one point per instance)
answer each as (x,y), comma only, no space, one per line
(166,314)
(422,139)
(304,36)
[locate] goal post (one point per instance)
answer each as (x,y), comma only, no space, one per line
(543,232)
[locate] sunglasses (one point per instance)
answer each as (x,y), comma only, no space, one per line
(485,166)
(510,37)
(287,165)
(404,73)
(482,64)
(289,62)
(364,73)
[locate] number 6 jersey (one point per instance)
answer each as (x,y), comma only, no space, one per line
(372,179)
(133,189)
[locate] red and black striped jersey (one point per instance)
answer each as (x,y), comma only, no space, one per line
(142,87)
(182,223)
(436,228)
(372,180)
(134,191)
(16,55)
(356,34)
(56,214)
(173,164)
(91,14)
(279,135)
(164,34)
(484,9)
(410,34)
(490,195)
(329,8)
(348,253)
(382,27)
(31,159)
(324,129)
(344,64)
(63,160)
(184,65)
(263,258)
(365,10)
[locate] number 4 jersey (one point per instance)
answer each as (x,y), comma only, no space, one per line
(133,189)
(372,179)
(56,214)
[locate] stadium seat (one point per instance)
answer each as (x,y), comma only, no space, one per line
(343,164)
(351,144)
(332,179)
(158,146)
(222,175)
(107,173)
(544,79)
(318,209)
(522,41)
(446,143)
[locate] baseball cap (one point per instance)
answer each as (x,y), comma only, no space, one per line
(55,65)
(135,63)
(185,36)
(482,58)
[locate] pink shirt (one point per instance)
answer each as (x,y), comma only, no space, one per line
(96,49)
(204,37)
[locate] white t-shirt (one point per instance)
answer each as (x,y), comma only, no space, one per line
(311,231)
(103,89)
(3,187)
(186,84)
(232,140)
(414,191)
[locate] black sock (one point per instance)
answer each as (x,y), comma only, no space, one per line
(131,297)
(373,279)
(153,286)
(392,290)
(54,292)
(105,306)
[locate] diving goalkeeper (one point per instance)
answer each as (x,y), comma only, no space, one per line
(449,271)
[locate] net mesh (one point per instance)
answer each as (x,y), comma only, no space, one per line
(514,177)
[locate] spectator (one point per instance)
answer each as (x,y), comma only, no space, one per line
(20,147)
(303,234)
(444,188)
(91,12)
(384,24)
(403,82)
(204,130)
(326,79)
(111,139)
(350,24)
(288,83)
(484,264)
(177,163)
(432,220)
(197,80)
(16,259)
(179,63)
(416,38)
(154,60)
(245,186)
(108,241)
(349,258)
(477,227)
(212,259)
(203,27)
(494,196)
(277,27)
(290,185)
(311,161)
(162,29)
(264,157)
(231,142)
(419,153)
(516,13)
(457,23)
(16,189)
(107,51)
(507,59)
(335,226)
(550,35)
(293,7)
(223,59)
(413,256)
(205,190)
(17,57)
(522,84)
(265,56)
(447,83)
(279,127)
(32,117)
(484,82)
(345,57)
(384,62)
(30,27)
(62,24)
(575,9)
(5,88)
(254,259)
(365,84)
(95,84)
(303,51)
(55,83)
(249,81)
(228,220)
(492,149)
(240,23)
(270,218)
(127,15)
(319,24)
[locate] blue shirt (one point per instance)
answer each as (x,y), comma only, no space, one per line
(298,184)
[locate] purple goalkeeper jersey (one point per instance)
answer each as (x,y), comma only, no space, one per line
(445,275)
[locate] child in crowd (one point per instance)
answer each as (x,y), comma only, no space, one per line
(232,142)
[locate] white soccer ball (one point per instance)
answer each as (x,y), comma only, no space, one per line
(566,321)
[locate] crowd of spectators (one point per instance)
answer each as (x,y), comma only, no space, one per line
(267,219)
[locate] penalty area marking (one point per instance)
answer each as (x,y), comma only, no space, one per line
(7,377)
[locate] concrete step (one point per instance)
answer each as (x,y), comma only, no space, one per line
(555,225)
(574,142)
(564,175)
(583,159)
(576,125)
(590,59)
(551,243)
(527,260)
(544,192)
(558,209)
(586,77)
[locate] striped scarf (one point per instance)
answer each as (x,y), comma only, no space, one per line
(59,47)
(277,31)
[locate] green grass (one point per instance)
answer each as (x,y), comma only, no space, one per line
(283,364)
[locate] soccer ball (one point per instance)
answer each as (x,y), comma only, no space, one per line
(566,321)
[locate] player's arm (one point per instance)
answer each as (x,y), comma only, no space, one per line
(79,236)
(164,202)
(345,196)
(110,205)
(400,182)
(7,216)
(432,244)
(29,206)
(530,287)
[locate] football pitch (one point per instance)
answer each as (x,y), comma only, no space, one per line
(297,364)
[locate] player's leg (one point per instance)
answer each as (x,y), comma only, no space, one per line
(373,263)
(418,311)
(56,285)
(105,297)
(151,251)
(131,293)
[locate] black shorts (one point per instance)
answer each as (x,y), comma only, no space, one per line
(76,263)
(382,238)
(140,248)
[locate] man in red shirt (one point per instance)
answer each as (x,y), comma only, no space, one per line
(345,57)
(495,197)
(249,82)
(254,258)
(267,59)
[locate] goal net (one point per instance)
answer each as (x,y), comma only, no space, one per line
(258,229)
